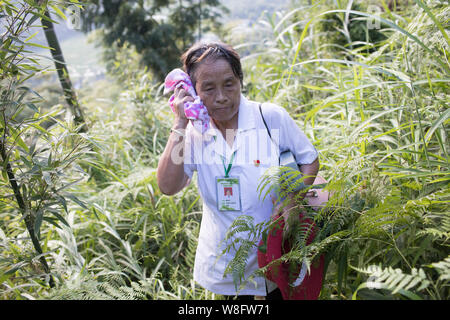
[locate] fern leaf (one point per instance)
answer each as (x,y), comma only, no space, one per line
(394,279)
(237,265)
(443,268)
(439,225)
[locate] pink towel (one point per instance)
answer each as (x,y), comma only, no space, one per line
(194,111)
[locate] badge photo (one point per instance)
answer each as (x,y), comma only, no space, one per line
(228,194)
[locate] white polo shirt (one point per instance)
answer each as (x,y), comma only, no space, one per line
(252,143)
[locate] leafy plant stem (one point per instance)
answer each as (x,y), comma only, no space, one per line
(27,216)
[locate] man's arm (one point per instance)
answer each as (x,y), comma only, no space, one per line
(310,172)
(170,173)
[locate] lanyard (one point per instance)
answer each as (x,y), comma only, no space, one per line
(227,168)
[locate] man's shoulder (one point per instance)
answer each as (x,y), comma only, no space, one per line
(273,113)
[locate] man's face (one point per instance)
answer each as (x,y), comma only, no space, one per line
(219,89)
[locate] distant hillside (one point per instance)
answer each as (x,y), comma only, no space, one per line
(239,9)
(84,59)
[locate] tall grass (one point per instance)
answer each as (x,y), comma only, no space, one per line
(132,236)
(377,114)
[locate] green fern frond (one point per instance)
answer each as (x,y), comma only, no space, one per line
(282,181)
(443,268)
(338,220)
(322,245)
(108,287)
(394,279)
(190,251)
(439,225)
(236,267)
(244,227)
(299,230)
(269,179)
(243,223)
(437,233)
(377,220)
(440,197)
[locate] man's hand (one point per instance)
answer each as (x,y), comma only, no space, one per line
(286,209)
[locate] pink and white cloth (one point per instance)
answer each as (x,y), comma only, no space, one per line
(194,111)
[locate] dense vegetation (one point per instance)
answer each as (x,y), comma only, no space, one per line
(160,31)
(373,101)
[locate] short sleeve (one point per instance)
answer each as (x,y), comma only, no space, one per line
(290,136)
(294,139)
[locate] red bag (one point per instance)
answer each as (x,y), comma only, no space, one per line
(294,282)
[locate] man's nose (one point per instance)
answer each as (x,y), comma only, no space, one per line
(221,97)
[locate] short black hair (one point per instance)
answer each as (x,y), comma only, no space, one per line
(215,50)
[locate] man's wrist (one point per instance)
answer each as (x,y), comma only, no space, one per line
(179,132)
(180,124)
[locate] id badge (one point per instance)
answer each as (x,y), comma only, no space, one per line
(228,194)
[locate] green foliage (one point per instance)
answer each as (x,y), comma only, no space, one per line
(339,30)
(395,280)
(377,114)
(241,237)
(110,287)
(130,230)
(37,151)
(371,115)
(158,30)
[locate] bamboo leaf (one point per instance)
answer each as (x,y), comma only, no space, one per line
(31,37)
(37,45)
(76,200)
(436,124)
(436,21)
(397,28)
(32,106)
(15,267)
(58,12)
(62,201)
(52,221)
